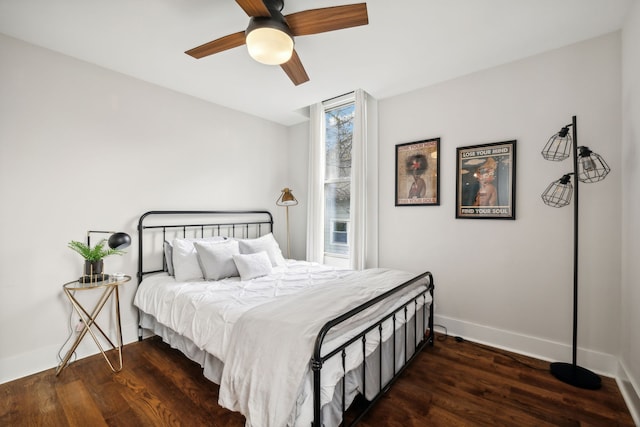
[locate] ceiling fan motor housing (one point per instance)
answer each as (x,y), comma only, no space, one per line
(276,21)
(272,5)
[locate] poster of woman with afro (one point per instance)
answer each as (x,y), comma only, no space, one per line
(417,168)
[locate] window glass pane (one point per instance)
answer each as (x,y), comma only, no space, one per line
(339,237)
(337,200)
(338,134)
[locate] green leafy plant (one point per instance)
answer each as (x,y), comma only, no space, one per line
(95,253)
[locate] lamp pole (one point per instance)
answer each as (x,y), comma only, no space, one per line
(575,240)
(288,239)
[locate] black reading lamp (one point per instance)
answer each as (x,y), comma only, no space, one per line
(588,167)
(117,240)
(287,199)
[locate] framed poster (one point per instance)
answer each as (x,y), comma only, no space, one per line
(417,173)
(486,181)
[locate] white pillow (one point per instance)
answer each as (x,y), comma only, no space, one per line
(182,258)
(266,243)
(185,261)
(251,266)
(216,259)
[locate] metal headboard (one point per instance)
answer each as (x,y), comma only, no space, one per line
(240,224)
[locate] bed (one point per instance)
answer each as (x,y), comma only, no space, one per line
(289,342)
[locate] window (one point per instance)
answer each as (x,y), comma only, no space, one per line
(342,215)
(338,122)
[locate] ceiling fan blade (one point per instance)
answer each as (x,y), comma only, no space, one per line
(218,45)
(295,70)
(325,19)
(254,7)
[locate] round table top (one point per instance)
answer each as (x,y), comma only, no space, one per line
(109,280)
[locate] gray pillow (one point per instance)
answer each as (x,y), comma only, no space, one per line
(168,249)
(216,259)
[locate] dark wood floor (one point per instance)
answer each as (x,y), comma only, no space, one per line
(451,384)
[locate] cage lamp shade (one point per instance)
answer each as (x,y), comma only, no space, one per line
(269,39)
(591,166)
(286,198)
(558,193)
(558,147)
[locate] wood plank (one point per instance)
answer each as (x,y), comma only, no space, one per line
(33,401)
(486,386)
(78,405)
(450,384)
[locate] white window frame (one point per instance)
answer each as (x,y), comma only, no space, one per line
(332,258)
(363,227)
(333,222)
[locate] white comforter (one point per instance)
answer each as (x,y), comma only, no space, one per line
(206,311)
(283,334)
(231,320)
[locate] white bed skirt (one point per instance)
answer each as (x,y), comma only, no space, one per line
(331,412)
(211,365)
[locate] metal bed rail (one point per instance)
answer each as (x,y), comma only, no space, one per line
(319,359)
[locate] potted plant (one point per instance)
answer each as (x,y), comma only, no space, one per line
(93,256)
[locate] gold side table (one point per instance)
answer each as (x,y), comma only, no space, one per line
(110,288)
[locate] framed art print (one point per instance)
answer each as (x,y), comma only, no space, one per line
(486,181)
(417,173)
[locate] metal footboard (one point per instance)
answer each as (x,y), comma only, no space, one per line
(402,310)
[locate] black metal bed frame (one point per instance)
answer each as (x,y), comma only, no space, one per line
(235,226)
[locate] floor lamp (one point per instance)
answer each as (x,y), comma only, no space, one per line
(287,199)
(588,167)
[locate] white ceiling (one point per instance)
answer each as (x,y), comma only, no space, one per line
(408,44)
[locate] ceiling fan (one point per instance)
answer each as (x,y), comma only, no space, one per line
(269,36)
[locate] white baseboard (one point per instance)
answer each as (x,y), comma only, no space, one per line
(602,363)
(630,390)
(22,365)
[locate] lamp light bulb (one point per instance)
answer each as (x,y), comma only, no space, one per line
(588,164)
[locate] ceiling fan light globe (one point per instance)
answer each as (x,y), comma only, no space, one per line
(269,46)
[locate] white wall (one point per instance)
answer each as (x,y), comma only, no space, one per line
(298,170)
(83,148)
(630,334)
(510,282)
